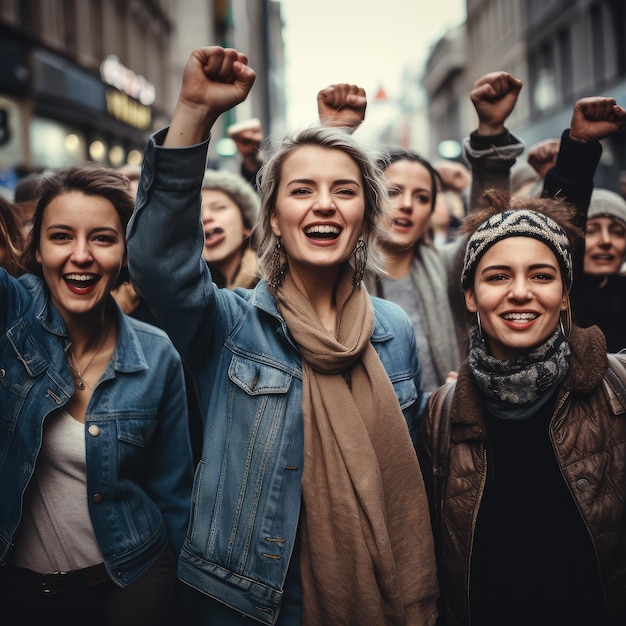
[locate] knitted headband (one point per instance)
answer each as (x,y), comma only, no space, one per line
(517,223)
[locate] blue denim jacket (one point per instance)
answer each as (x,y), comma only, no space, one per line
(247,371)
(139,466)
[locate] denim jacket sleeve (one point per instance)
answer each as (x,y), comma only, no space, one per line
(165,242)
(170,471)
(11,299)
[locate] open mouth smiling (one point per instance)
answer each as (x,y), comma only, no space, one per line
(602,257)
(322,231)
(81,281)
(519,317)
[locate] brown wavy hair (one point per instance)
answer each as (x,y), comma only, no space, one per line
(92,179)
(11,237)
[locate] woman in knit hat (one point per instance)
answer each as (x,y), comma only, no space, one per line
(530,527)
(600,296)
(605,235)
(229,211)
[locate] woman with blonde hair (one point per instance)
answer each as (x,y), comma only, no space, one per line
(309,506)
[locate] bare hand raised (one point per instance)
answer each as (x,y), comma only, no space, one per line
(542,156)
(494,97)
(595,118)
(342,105)
(215,80)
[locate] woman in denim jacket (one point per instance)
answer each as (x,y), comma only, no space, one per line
(95,460)
(308,503)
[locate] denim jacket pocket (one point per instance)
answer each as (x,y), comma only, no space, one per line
(26,349)
(136,430)
(256,378)
(406,392)
(21,365)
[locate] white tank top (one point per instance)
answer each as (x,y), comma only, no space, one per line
(55,533)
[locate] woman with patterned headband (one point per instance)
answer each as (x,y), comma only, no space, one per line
(529,524)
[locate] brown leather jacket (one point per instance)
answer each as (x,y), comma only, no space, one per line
(588,431)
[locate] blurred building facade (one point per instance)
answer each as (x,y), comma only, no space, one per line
(91,79)
(562,50)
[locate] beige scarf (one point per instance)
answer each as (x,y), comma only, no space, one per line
(367,549)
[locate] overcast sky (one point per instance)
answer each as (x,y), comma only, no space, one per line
(365,42)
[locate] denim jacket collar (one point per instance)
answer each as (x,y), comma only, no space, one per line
(128,356)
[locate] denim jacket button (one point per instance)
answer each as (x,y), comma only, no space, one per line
(94,430)
(97,498)
(3,373)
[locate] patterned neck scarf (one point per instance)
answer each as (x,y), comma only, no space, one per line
(516,389)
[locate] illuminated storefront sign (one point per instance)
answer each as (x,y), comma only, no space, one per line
(127,110)
(119,76)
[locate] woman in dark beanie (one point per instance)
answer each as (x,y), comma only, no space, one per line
(531,526)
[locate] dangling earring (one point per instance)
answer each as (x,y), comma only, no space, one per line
(277,268)
(566,331)
(360,260)
(480,328)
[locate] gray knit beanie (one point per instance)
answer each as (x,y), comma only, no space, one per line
(517,223)
(607,203)
(238,189)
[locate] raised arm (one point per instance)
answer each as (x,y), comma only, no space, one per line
(165,235)
(491,149)
(571,177)
(342,105)
(579,153)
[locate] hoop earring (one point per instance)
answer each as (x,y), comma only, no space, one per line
(480,328)
(566,329)
(360,260)
(277,268)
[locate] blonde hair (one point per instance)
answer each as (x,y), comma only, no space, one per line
(375,191)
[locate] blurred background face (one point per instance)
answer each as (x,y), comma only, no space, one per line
(519,294)
(224,230)
(605,245)
(410,190)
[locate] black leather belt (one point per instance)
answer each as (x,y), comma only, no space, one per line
(59,582)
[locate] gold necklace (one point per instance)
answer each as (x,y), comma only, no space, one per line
(78,375)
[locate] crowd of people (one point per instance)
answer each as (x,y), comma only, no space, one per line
(340,386)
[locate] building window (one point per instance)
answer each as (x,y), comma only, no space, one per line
(69,26)
(617,12)
(564,52)
(597,39)
(544,83)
